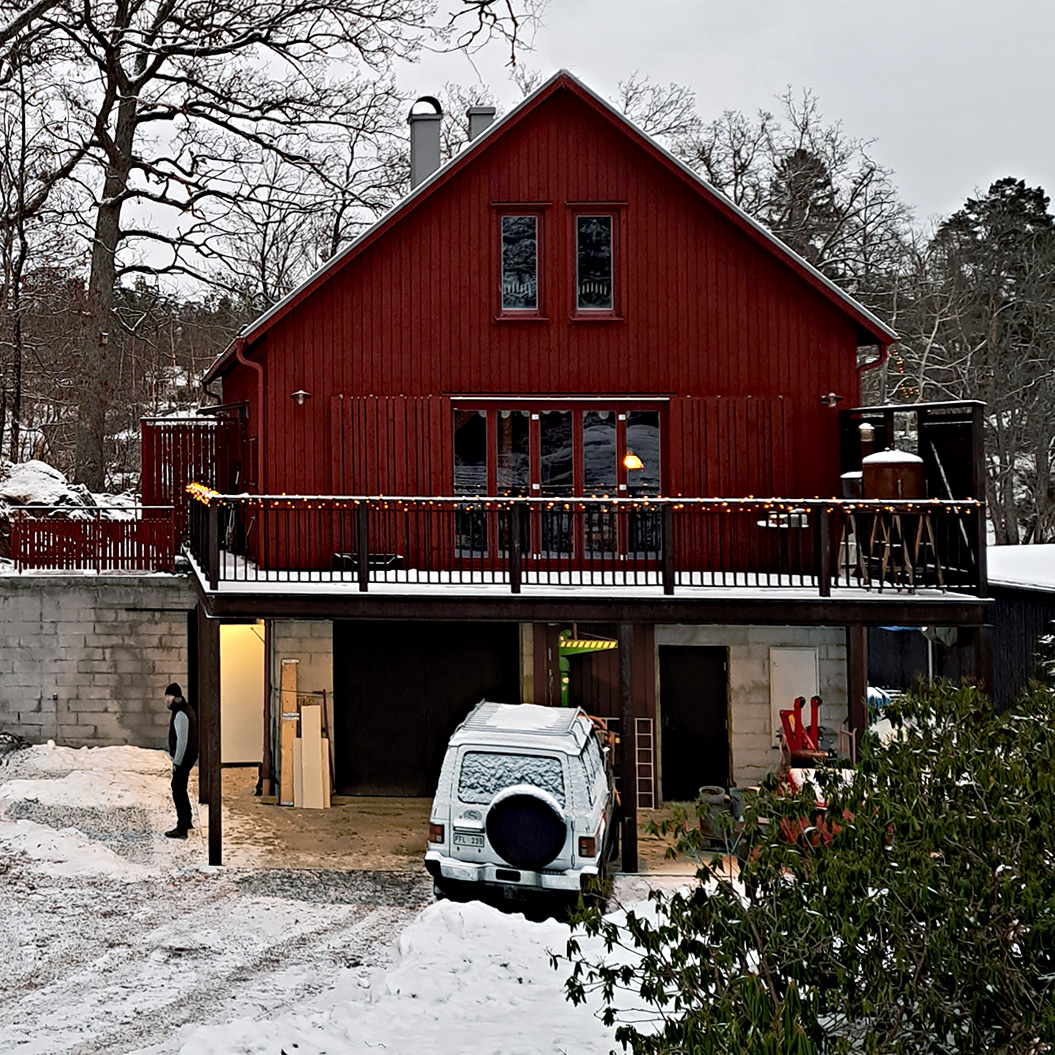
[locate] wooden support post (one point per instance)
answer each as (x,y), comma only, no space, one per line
(289,720)
(192,696)
(209,726)
(269,725)
(857,679)
(983,659)
(627,750)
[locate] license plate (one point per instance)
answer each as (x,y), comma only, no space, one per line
(468,840)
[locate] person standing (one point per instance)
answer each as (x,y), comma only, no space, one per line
(183,750)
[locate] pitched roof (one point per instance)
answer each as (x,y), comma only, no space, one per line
(867,323)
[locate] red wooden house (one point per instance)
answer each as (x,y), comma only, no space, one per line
(567,387)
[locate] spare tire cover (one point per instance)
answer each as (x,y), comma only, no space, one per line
(526,827)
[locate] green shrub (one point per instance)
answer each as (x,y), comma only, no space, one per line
(925,923)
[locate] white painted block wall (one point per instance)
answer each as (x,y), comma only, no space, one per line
(750,720)
(310,641)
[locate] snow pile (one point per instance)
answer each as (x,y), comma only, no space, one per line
(88,811)
(68,852)
(113,763)
(35,484)
(90,790)
(468,979)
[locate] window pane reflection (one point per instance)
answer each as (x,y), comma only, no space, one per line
(555,450)
(470,478)
(599,453)
(593,238)
(519,263)
(557,478)
(642,440)
(470,452)
(513,457)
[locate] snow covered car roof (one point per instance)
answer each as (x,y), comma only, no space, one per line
(522,724)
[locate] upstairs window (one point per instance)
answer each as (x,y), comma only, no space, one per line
(593,263)
(519,263)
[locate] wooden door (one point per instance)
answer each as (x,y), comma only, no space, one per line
(694,712)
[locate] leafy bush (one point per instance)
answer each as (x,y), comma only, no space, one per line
(920,918)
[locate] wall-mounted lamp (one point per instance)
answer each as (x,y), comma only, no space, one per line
(300,395)
(632,461)
(831,399)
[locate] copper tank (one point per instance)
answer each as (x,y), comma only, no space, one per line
(896,475)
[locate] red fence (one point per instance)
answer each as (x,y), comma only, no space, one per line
(144,541)
(179,451)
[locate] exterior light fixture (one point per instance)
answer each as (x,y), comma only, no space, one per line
(300,395)
(632,461)
(830,399)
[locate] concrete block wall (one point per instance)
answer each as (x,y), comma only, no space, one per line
(310,641)
(750,717)
(84,660)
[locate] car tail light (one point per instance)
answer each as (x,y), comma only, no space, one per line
(587,846)
(436,832)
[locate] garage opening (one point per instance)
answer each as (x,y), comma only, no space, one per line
(241,693)
(401,689)
(694,709)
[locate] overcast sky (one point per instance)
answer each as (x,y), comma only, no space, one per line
(957,93)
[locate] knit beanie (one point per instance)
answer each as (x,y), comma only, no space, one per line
(174,690)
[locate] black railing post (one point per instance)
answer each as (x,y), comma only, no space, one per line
(363,546)
(516,543)
(213,544)
(668,548)
(824,552)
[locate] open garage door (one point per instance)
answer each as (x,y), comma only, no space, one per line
(400,689)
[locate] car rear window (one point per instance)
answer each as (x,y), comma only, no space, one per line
(593,768)
(485,773)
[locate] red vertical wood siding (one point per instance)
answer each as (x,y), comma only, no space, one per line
(741,345)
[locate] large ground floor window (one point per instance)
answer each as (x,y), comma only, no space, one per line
(560,450)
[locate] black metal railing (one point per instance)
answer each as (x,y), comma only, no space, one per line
(522,543)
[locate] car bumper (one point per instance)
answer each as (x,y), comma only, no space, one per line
(569,879)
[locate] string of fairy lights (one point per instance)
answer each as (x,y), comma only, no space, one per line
(602,504)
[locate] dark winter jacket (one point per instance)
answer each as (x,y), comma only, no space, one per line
(183,733)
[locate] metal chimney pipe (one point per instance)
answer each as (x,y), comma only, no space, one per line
(424,140)
(480,119)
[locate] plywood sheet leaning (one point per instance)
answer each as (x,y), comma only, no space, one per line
(311,737)
(289,717)
(298,772)
(327,779)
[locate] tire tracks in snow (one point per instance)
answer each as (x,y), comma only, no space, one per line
(191,951)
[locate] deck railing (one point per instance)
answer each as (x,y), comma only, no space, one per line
(823,545)
(99,539)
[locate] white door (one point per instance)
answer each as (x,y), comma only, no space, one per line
(241,693)
(792,672)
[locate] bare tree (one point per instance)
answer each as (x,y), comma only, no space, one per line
(173,96)
(666,113)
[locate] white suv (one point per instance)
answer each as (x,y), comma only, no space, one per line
(525,801)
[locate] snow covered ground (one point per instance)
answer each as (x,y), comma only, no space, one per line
(114,939)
